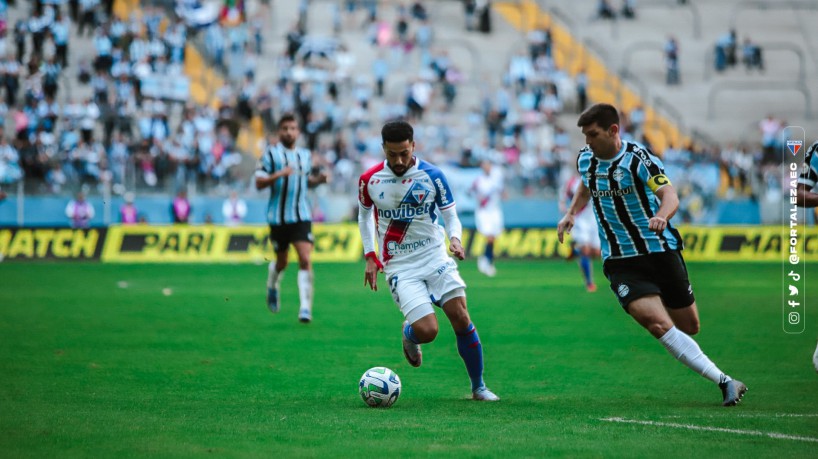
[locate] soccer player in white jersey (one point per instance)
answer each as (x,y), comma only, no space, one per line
(584,235)
(633,202)
(287,170)
(488,216)
(404,193)
(807,197)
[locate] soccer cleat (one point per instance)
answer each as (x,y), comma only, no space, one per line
(483,265)
(272,300)
(411,350)
(591,288)
(305,316)
(491,271)
(483,394)
(732,390)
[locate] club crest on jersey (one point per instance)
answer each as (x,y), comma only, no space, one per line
(417,194)
(794,146)
(618,174)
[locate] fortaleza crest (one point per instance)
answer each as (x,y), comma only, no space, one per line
(418,193)
(794,146)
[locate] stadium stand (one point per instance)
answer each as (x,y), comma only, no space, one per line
(161,95)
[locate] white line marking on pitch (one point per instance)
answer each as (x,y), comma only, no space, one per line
(674,425)
(748,415)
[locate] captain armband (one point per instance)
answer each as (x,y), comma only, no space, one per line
(658,181)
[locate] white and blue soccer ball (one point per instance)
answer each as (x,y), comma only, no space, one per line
(379,387)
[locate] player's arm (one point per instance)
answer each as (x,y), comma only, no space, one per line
(317,175)
(669,204)
(264,179)
(366,226)
(580,200)
(653,174)
(446,204)
(455,231)
(805,197)
(316,179)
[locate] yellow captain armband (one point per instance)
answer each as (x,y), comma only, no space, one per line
(658,181)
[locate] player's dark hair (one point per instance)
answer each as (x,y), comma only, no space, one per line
(287,118)
(603,115)
(397,131)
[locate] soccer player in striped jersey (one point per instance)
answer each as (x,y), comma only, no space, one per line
(288,171)
(404,193)
(633,202)
(807,197)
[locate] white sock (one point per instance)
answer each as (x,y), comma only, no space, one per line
(305,288)
(273,276)
(687,351)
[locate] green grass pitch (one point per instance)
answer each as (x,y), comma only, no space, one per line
(96,361)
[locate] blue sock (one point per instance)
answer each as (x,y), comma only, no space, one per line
(490,252)
(585,264)
(470,350)
(409,333)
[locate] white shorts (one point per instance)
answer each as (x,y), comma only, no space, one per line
(414,290)
(585,231)
(489,222)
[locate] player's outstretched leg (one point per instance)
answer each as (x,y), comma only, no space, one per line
(411,345)
(273,281)
(305,290)
(687,351)
(471,351)
(587,273)
(650,312)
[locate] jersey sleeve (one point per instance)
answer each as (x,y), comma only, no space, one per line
(443,196)
(266,165)
(809,173)
(651,171)
(364,199)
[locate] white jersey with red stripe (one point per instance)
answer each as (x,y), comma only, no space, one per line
(406,220)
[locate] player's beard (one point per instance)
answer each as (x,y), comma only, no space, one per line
(288,143)
(399,172)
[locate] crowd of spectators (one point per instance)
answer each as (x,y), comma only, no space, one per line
(122,136)
(84,105)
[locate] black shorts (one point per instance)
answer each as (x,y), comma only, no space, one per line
(283,235)
(660,273)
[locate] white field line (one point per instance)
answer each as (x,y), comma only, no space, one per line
(674,425)
(748,415)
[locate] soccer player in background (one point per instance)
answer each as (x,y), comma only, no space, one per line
(808,198)
(584,235)
(488,216)
(288,171)
(405,193)
(633,202)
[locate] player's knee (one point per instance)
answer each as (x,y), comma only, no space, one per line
(427,332)
(691,327)
(304,264)
(658,329)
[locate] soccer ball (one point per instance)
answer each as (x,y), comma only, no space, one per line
(379,387)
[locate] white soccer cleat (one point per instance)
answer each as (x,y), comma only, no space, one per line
(305,316)
(483,265)
(483,394)
(491,271)
(411,350)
